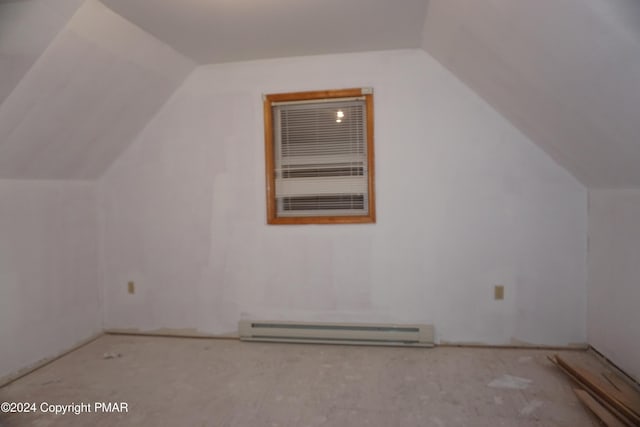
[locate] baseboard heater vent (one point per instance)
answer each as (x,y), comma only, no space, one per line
(337,333)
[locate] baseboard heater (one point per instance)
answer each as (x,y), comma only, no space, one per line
(337,333)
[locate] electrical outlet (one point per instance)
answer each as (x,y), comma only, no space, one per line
(131,287)
(498,292)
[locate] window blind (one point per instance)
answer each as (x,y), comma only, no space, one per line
(321,158)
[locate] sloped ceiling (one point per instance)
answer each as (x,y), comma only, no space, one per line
(567,73)
(92,88)
(26,29)
(75,94)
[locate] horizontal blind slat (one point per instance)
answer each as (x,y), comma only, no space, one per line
(317,186)
(325,159)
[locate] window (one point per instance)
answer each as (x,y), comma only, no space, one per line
(319,157)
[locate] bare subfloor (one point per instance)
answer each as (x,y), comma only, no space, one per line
(198,382)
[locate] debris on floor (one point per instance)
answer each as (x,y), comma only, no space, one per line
(525,359)
(111,355)
(609,396)
(531,407)
(509,381)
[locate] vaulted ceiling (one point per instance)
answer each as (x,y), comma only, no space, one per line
(566,73)
(78,94)
(79,79)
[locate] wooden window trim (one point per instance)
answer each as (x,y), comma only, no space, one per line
(272,217)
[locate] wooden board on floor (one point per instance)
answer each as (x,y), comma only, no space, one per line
(599,410)
(604,390)
(624,420)
(624,387)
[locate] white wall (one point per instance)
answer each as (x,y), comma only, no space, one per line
(49,299)
(464,202)
(614,276)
